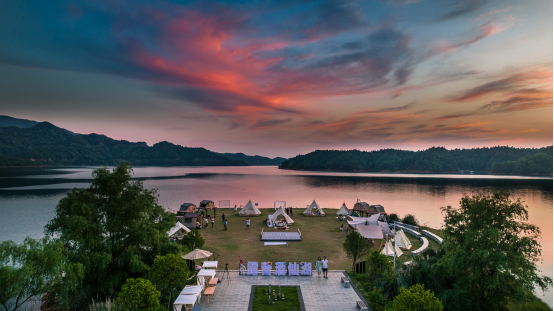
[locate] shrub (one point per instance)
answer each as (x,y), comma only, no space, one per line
(416,299)
(137,294)
(393,217)
(410,220)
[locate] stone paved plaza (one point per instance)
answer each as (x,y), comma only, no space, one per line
(318,293)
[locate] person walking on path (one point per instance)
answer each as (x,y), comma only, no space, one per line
(213,222)
(318,266)
(247,223)
(225,224)
(324,263)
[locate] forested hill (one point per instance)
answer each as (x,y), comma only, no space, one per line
(254,160)
(496,160)
(46,144)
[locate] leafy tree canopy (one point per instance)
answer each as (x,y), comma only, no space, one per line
(416,299)
(115,229)
(410,220)
(193,240)
(355,247)
(379,268)
(33,268)
(169,271)
(491,251)
(137,294)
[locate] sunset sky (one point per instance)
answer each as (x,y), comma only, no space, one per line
(281,78)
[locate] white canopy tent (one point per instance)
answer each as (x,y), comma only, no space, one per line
(280,212)
(178,226)
(389,251)
(309,210)
(343,210)
(250,210)
(402,240)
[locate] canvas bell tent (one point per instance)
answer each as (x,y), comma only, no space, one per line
(343,211)
(279,213)
(402,240)
(249,210)
(314,210)
(389,251)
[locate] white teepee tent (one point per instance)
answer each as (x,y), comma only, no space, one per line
(309,210)
(388,250)
(281,212)
(249,210)
(402,240)
(343,210)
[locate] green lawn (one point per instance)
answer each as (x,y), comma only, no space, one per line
(291,301)
(320,237)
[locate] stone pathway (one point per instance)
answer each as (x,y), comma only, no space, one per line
(318,293)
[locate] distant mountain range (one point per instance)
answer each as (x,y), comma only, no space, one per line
(30,143)
(495,160)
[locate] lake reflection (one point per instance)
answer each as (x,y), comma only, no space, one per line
(28,196)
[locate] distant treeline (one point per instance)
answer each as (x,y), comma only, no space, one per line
(46,144)
(495,160)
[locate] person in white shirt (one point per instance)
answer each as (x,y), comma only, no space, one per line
(324,263)
(235,208)
(247,223)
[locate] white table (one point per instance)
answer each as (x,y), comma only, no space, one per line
(192,290)
(184,300)
(209,265)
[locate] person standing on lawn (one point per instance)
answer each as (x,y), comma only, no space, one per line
(247,223)
(222,216)
(206,219)
(235,208)
(213,222)
(324,263)
(318,266)
(225,224)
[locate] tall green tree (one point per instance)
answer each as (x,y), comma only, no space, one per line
(355,247)
(491,251)
(30,269)
(115,229)
(137,295)
(168,272)
(379,268)
(193,240)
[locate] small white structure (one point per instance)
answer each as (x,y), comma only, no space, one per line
(402,240)
(389,251)
(277,204)
(310,210)
(179,227)
(249,210)
(343,210)
(272,219)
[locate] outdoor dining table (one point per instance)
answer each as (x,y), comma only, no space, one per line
(209,265)
(184,301)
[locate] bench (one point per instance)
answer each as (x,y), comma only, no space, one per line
(433,236)
(209,292)
(346,281)
(360,304)
(422,248)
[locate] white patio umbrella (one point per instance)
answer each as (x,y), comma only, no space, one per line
(197,254)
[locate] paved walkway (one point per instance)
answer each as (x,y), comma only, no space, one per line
(318,293)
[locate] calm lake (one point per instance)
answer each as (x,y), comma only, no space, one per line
(28,197)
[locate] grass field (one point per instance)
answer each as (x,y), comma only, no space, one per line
(291,302)
(321,236)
